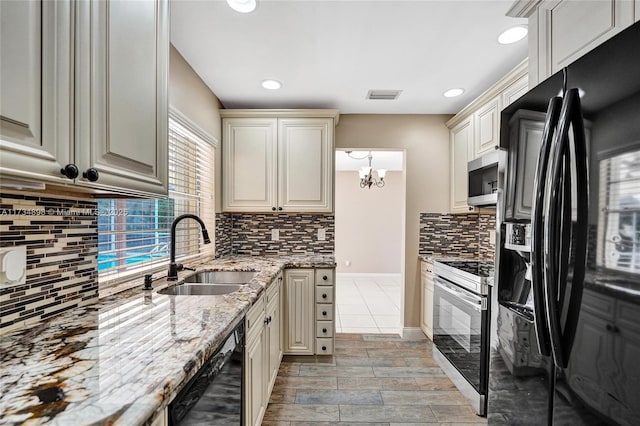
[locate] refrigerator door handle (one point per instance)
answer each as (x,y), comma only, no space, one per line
(562,236)
(537,229)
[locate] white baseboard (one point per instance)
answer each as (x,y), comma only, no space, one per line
(412,333)
(366,275)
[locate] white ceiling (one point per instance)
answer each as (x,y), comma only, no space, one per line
(328,54)
(388,160)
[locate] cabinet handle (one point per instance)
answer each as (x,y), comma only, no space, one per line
(324,277)
(91,174)
(70,171)
(470,208)
(324,313)
(266,320)
(324,296)
(273,208)
(280,208)
(613,328)
(324,348)
(324,330)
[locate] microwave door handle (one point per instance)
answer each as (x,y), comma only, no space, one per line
(580,229)
(537,242)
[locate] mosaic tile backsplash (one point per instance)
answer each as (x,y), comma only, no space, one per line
(465,235)
(250,234)
(61,239)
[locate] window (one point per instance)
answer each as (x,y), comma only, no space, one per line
(134,234)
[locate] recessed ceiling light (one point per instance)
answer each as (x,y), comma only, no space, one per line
(452,93)
(513,34)
(271,84)
(242,6)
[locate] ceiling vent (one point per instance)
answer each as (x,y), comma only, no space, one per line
(384,95)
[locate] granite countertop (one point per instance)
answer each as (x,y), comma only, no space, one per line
(125,358)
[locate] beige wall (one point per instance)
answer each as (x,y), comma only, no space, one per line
(369,224)
(189,95)
(425,139)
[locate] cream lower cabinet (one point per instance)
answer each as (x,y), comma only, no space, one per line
(263,352)
(325,311)
(84,85)
(278,160)
(299,319)
(426,298)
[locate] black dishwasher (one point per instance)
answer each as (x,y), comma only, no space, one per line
(214,395)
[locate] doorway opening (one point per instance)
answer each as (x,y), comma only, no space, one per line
(369,241)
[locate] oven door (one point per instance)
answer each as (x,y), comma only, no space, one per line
(458,324)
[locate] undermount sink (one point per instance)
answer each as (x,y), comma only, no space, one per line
(200,289)
(221,277)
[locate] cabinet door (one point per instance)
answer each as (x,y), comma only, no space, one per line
(461,145)
(273,342)
(299,312)
(254,380)
(122,59)
(35,105)
(513,92)
(487,129)
(624,408)
(588,374)
(249,164)
(305,160)
(526,129)
(567,29)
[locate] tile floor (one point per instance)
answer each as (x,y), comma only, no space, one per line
(371,380)
(367,303)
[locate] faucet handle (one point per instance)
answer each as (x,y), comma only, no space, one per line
(185,268)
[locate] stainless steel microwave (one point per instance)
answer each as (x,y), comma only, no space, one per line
(483,178)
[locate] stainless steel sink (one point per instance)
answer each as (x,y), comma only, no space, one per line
(200,289)
(221,277)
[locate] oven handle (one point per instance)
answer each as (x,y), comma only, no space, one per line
(469,298)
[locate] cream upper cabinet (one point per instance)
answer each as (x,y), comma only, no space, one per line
(461,145)
(249,164)
(35,105)
(121,94)
(299,335)
(278,160)
(515,91)
(84,85)
(561,31)
(305,173)
(486,127)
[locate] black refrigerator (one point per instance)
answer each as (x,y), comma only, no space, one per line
(565,319)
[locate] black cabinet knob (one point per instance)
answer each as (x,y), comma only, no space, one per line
(70,171)
(470,209)
(91,174)
(324,348)
(324,296)
(324,277)
(280,208)
(266,320)
(324,313)
(273,208)
(324,330)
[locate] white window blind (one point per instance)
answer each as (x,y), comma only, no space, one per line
(134,235)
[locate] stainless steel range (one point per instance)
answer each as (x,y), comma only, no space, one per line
(460,325)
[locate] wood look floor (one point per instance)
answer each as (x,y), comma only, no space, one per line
(371,380)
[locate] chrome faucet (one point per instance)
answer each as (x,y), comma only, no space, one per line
(173,266)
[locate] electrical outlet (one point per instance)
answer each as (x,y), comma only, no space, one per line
(322,234)
(347,263)
(275,235)
(492,238)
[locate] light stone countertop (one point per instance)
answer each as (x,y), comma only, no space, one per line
(125,358)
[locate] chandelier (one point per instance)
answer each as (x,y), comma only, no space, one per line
(366,173)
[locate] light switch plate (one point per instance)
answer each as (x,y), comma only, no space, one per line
(322,234)
(492,237)
(275,234)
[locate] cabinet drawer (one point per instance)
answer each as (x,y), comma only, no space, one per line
(426,267)
(324,311)
(325,277)
(324,294)
(324,346)
(255,317)
(324,329)
(598,304)
(628,316)
(273,291)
